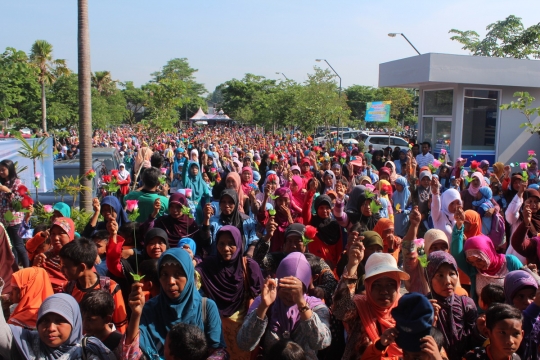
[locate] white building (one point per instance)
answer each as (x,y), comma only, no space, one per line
(460,97)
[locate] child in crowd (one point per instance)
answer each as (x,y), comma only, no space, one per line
(78,258)
(503,323)
(186,342)
(39,243)
(97,308)
(491,294)
(101,239)
(285,350)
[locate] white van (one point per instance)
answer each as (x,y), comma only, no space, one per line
(380,142)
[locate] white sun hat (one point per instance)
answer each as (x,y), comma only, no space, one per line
(380,263)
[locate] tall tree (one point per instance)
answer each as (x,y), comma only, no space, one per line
(506,38)
(49,70)
(103,82)
(136,99)
(85,101)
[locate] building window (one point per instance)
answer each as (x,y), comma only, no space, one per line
(428,129)
(438,102)
(480,114)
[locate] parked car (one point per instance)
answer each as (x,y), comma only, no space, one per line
(380,142)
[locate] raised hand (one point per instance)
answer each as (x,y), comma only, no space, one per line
(96,206)
(269,293)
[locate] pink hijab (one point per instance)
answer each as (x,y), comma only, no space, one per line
(238,187)
(297,198)
(246,185)
(482,247)
(472,190)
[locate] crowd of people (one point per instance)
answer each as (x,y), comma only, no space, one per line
(249,245)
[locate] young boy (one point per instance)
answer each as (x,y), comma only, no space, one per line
(101,239)
(78,258)
(185,342)
(97,308)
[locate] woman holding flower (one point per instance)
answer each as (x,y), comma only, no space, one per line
(11,202)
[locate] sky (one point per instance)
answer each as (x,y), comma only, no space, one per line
(226,39)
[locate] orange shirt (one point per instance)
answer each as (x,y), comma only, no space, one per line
(119,316)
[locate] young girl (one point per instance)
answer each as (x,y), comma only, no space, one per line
(503,323)
(455,315)
(401,205)
(483,205)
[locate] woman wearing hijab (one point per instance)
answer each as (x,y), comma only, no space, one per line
(30,287)
(358,210)
(247,179)
(192,178)
(469,195)
(532,171)
(525,239)
(58,335)
(524,199)
(328,182)
(110,207)
(520,290)
(286,312)
(178,302)
(443,208)
(393,174)
(61,233)
(7,260)
(297,197)
(234,182)
(378,161)
(327,243)
(124,180)
(232,281)
(368,316)
(392,243)
(478,259)
(457,314)
(229,215)
(282,217)
(176,224)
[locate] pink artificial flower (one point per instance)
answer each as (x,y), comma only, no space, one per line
(531,153)
(523,165)
(370,187)
(436,163)
(131,205)
(344,154)
(443,151)
(48,208)
(188,193)
(163,170)
(37,175)
(419,242)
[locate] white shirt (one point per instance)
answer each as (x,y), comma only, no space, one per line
(424,160)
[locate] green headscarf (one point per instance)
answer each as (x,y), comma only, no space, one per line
(63,208)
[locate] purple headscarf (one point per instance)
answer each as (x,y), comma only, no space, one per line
(283,319)
(457,316)
(224,281)
(515,281)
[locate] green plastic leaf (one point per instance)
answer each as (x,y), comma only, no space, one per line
(375,207)
(369,194)
(273,197)
(8,216)
(306,241)
(186,211)
(272,212)
(525,176)
(137,277)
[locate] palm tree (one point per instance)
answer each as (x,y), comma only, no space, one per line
(49,70)
(103,82)
(35,150)
(85,102)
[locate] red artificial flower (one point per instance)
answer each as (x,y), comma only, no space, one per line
(311,231)
(26,201)
(474,164)
(107,178)
(114,172)
(22,190)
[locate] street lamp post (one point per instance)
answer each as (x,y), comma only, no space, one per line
(410,43)
(335,72)
(277,73)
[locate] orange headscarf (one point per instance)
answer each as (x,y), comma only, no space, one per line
(369,311)
(382,225)
(35,287)
(473,218)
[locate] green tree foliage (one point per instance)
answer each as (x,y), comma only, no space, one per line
(64,102)
(136,99)
(506,38)
(523,104)
(108,110)
(18,86)
(164,100)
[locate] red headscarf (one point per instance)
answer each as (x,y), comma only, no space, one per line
(371,313)
(473,218)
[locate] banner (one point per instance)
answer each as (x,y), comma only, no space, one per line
(378,111)
(9,150)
